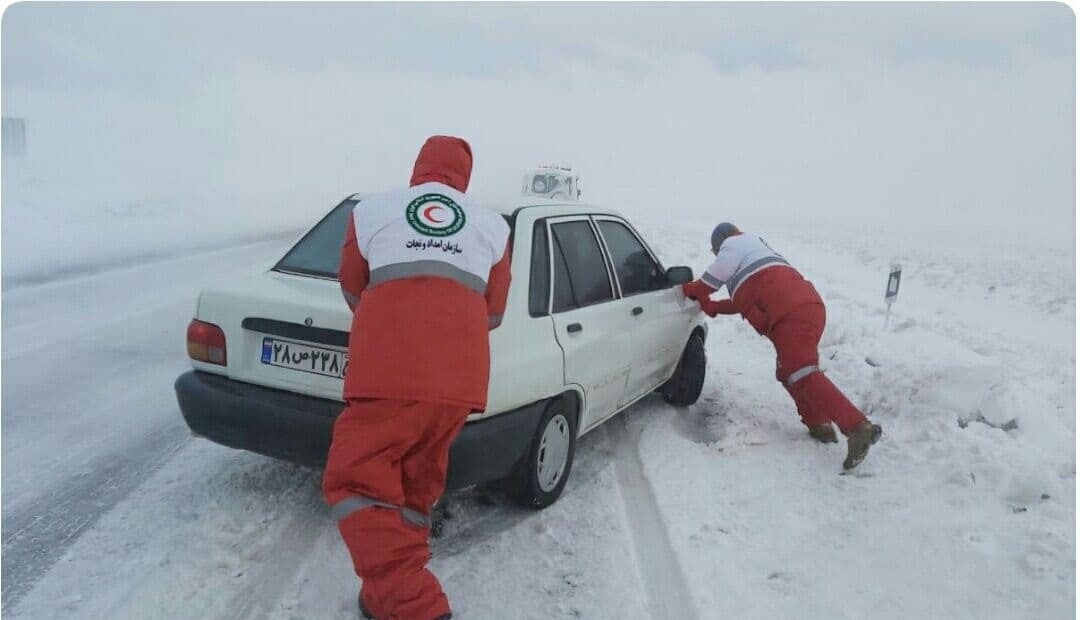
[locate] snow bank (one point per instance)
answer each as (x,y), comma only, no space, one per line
(966,507)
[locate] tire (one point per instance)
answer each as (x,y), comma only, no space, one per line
(684,387)
(537,484)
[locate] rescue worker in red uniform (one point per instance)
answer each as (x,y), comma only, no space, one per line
(785,308)
(426,274)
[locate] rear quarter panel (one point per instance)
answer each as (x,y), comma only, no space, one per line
(526,361)
(281,297)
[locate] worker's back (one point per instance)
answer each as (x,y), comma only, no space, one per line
(420,330)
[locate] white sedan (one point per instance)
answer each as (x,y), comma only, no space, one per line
(593,323)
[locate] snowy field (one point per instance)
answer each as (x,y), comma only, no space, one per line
(723,510)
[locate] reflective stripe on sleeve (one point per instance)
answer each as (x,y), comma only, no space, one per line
(711,280)
(410,269)
(350,299)
(494,321)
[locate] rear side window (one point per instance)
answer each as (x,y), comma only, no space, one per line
(581,276)
(538,272)
(634,266)
(319,252)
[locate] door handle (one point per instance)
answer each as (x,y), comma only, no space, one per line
(573,328)
(637,310)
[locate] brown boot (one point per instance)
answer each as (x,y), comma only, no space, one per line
(859,442)
(825,433)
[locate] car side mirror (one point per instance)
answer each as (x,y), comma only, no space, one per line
(679,275)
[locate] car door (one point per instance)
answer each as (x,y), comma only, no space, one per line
(659,322)
(590,323)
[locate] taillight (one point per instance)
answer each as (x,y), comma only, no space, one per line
(205,342)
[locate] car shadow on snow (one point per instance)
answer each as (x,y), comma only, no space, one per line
(467,517)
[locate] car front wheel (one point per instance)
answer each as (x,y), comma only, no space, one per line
(684,387)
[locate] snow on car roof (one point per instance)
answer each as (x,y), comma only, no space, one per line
(557,207)
(509,206)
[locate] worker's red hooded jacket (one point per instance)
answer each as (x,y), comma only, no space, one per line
(427,274)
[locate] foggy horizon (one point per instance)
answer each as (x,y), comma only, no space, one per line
(842,110)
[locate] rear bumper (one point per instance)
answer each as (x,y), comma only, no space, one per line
(298,428)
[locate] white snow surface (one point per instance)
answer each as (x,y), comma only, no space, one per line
(725,509)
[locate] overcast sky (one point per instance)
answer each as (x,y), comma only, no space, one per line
(840,108)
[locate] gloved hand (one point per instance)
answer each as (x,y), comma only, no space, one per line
(713,308)
(697,290)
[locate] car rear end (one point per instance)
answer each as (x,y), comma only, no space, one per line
(268,359)
(269,355)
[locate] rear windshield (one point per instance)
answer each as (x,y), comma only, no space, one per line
(319,252)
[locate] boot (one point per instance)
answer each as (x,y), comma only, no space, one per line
(367,615)
(825,433)
(859,442)
(364,613)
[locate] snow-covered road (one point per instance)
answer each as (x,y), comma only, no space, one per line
(722,510)
(88,415)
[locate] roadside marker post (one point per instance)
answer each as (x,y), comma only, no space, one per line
(891,290)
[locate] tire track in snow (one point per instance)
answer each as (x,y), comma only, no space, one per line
(666,590)
(270,576)
(37,535)
(74,486)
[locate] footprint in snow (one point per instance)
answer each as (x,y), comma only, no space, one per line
(701,424)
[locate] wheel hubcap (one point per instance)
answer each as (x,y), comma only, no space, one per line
(554,448)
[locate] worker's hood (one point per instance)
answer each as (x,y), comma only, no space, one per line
(444,159)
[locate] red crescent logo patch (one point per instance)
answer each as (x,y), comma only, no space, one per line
(430,217)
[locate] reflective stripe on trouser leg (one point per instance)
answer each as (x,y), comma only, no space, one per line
(801,373)
(349,505)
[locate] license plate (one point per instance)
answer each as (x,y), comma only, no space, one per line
(304,357)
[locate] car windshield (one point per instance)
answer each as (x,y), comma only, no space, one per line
(319,252)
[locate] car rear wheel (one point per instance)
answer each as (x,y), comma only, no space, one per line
(684,387)
(538,480)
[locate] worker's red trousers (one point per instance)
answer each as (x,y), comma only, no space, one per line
(387,467)
(818,401)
